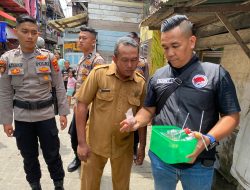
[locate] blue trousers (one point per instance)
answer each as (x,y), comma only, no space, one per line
(27,135)
(195,177)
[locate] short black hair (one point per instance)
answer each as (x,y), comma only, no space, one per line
(177,20)
(133,35)
(25,18)
(88,29)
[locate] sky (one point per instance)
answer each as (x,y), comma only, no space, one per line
(67,10)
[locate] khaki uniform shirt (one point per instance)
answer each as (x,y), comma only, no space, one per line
(28,77)
(85,65)
(111,97)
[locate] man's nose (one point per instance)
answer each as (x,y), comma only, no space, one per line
(170,52)
(29,35)
(129,63)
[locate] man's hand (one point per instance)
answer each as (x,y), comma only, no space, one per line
(140,155)
(83,152)
(63,122)
(8,129)
(199,148)
(128,126)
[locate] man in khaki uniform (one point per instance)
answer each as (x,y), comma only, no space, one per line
(112,89)
(27,75)
(89,60)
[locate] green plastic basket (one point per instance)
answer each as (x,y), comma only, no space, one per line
(173,148)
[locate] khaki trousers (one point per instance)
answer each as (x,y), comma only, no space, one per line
(92,170)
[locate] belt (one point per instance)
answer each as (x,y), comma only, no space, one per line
(33,105)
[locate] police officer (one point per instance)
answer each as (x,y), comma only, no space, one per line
(89,60)
(27,76)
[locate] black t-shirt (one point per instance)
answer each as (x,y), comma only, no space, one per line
(222,99)
(226,94)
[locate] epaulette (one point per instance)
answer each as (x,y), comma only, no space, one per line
(101,66)
(10,51)
(13,50)
(45,50)
(140,75)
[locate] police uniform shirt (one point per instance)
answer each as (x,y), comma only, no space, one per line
(85,65)
(111,97)
(29,77)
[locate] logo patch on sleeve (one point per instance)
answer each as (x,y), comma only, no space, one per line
(199,81)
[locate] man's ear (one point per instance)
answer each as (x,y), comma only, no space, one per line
(193,41)
(94,42)
(114,59)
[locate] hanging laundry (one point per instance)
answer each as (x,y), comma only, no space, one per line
(33,8)
(27,5)
(3,37)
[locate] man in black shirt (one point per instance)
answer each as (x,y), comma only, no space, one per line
(207,92)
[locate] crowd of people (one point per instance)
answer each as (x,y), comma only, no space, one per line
(29,74)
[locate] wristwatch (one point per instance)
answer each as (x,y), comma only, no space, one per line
(212,143)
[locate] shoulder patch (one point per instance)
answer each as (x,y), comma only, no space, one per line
(2,66)
(55,65)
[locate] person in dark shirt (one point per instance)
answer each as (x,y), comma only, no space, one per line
(207,92)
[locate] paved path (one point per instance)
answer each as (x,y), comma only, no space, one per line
(12,176)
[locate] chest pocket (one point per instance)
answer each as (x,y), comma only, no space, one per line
(135,101)
(134,97)
(105,96)
(43,69)
(16,71)
(44,78)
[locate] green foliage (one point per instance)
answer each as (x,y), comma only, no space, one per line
(157,54)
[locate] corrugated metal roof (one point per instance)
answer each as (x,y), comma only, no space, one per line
(71,22)
(12,6)
(223,1)
(172,7)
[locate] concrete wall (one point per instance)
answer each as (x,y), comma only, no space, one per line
(237,63)
(113,19)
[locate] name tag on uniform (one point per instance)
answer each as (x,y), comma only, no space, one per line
(104,90)
(165,81)
(43,67)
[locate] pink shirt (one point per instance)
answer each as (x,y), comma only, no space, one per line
(71,82)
